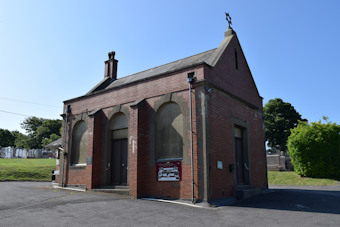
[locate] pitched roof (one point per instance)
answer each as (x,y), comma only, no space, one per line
(197,59)
(210,58)
(55,144)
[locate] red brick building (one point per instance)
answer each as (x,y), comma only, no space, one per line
(133,133)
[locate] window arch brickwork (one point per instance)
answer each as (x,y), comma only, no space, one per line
(169,132)
(79,143)
(179,99)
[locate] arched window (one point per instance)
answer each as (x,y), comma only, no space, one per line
(169,132)
(119,126)
(79,143)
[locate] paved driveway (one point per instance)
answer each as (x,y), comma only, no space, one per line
(37,204)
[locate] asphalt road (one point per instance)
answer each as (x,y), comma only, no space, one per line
(37,204)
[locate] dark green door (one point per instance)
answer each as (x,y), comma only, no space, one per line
(119,162)
(242,163)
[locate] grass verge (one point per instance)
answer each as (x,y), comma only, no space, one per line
(292,178)
(26,169)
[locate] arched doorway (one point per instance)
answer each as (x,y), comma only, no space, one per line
(119,150)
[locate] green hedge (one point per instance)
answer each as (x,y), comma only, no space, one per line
(315,149)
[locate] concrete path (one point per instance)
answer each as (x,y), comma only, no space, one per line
(37,204)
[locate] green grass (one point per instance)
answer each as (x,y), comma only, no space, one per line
(26,169)
(292,178)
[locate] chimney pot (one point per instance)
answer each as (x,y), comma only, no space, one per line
(111,55)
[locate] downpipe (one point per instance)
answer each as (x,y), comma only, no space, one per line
(68,110)
(190,79)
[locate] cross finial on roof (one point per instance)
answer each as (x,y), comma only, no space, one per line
(228,18)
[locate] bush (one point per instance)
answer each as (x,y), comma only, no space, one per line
(315,149)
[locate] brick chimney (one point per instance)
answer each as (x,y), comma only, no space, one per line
(111,66)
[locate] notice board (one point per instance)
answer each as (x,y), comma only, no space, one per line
(169,171)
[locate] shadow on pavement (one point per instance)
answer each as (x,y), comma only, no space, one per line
(320,201)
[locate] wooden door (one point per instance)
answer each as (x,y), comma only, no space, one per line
(119,162)
(239,161)
(242,163)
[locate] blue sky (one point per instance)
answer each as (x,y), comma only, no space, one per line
(51,51)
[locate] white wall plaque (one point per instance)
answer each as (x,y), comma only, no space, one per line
(219,165)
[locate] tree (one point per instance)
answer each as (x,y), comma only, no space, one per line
(7,138)
(280,117)
(53,137)
(48,128)
(24,141)
(31,124)
(38,129)
(315,149)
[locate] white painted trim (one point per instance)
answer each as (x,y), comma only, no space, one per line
(175,202)
(78,165)
(68,188)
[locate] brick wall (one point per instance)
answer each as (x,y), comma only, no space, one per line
(147,176)
(222,110)
(141,175)
(233,98)
(238,82)
(99,162)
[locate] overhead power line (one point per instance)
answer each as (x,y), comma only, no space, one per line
(30,102)
(19,114)
(15,113)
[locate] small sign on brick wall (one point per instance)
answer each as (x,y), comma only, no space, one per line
(169,171)
(219,165)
